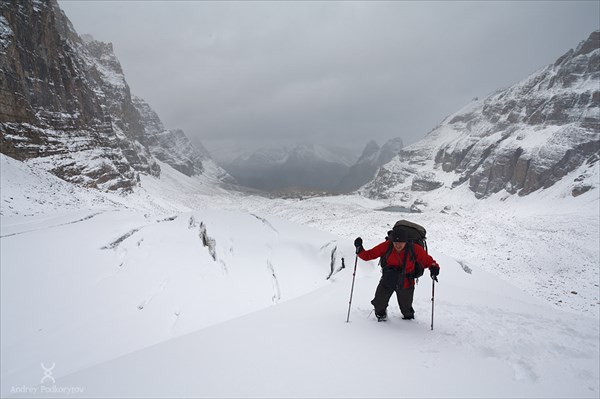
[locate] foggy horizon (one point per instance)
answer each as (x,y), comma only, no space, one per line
(255,74)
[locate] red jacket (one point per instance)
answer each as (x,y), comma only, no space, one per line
(395,259)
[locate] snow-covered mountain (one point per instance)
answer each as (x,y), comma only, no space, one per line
(65,106)
(518,140)
(301,166)
(373,156)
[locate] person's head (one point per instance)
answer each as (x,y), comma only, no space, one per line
(399,238)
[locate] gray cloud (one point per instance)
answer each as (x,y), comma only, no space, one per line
(333,71)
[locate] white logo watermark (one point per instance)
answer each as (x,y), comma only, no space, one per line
(48,373)
(47,389)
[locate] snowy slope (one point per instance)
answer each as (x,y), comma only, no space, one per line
(185,289)
(115,282)
(487,342)
(103,283)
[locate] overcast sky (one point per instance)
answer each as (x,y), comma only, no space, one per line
(329,71)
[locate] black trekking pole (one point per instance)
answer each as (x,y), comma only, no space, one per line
(433,280)
(352,290)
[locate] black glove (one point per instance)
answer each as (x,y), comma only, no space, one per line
(434,270)
(358,244)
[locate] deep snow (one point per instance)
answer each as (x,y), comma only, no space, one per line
(185,289)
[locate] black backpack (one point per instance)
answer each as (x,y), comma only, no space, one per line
(416,234)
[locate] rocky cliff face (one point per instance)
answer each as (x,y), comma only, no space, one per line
(65,105)
(169,146)
(521,139)
(59,106)
(373,156)
(173,147)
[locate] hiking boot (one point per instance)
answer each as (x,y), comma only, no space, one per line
(408,317)
(381,317)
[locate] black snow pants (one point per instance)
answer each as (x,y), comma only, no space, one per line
(392,280)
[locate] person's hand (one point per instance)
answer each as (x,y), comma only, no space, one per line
(358,244)
(434,270)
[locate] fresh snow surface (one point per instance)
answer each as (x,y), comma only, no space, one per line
(186,289)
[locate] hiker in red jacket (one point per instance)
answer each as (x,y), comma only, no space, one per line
(395,277)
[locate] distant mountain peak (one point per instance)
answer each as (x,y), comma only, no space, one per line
(370,150)
(372,157)
(589,45)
